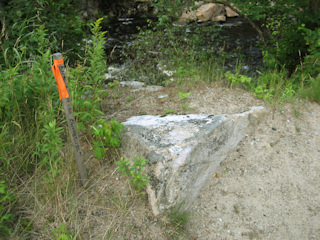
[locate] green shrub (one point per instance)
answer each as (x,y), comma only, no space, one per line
(107,134)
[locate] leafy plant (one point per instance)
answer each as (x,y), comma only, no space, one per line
(135,171)
(129,99)
(113,84)
(86,81)
(238,79)
(94,74)
(262,92)
(183,95)
(168,111)
(49,150)
(96,54)
(62,233)
(107,134)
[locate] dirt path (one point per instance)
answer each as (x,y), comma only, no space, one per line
(268,188)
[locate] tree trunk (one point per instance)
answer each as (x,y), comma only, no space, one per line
(314,5)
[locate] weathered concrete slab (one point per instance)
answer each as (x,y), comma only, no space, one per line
(184,151)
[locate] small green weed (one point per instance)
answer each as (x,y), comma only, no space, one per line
(107,134)
(135,172)
(238,79)
(113,84)
(183,95)
(62,233)
(168,111)
(129,99)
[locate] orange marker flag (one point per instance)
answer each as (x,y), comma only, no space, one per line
(59,74)
(63,91)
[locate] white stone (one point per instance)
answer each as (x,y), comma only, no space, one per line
(184,151)
(140,86)
(132,84)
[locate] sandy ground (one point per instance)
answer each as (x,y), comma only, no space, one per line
(267,189)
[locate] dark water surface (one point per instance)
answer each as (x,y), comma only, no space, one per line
(239,41)
(121,33)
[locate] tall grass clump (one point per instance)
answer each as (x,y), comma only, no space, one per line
(28,102)
(38,175)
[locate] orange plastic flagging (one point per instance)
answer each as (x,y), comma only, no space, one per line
(63,91)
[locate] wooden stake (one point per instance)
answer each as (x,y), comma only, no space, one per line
(67,106)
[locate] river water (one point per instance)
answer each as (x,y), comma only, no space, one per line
(239,40)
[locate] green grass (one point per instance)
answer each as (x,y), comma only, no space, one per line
(176,221)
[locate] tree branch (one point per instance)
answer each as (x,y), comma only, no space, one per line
(255,26)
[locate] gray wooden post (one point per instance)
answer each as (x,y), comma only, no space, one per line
(67,106)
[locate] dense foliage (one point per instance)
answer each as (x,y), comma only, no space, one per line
(281,22)
(61,23)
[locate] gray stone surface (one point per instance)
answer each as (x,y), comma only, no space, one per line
(140,86)
(184,151)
